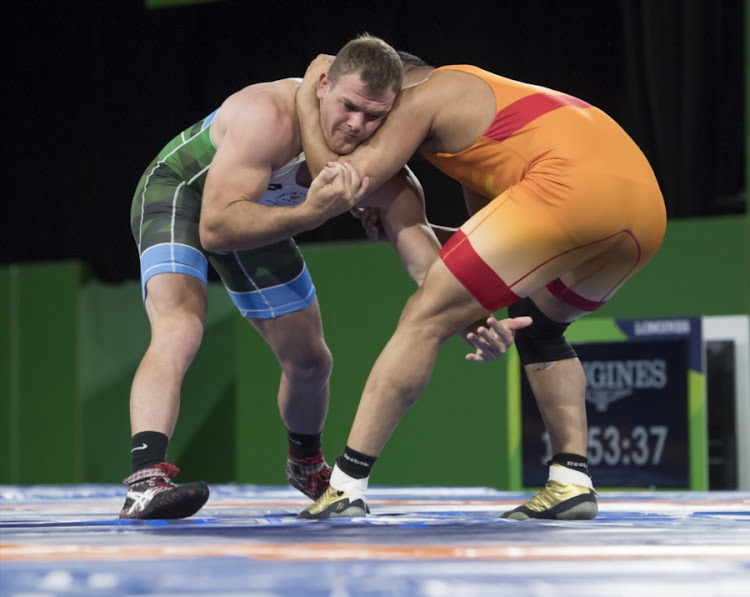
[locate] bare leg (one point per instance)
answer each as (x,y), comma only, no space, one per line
(439,309)
(559,393)
(176,308)
(298,343)
(560,388)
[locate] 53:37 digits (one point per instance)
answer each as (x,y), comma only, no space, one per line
(614,446)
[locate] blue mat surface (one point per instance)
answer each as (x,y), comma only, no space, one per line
(67,540)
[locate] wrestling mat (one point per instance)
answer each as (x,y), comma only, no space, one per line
(424,541)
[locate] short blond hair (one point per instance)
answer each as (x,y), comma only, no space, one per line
(376,62)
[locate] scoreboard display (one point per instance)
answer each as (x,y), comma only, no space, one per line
(645,404)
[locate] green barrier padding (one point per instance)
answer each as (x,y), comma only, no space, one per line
(43,424)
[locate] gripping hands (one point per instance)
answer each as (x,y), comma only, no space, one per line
(335,190)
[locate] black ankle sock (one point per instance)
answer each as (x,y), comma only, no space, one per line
(355,464)
(303,446)
(571,461)
(146,449)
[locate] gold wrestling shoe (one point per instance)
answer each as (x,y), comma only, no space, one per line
(335,504)
(558,501)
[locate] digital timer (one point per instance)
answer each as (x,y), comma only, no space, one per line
(637,410)
(616,446)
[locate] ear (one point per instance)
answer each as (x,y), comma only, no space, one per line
(324,84)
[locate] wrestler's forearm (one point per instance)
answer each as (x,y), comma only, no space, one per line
(417,249)
(317,153)
(401,209)
(249,225)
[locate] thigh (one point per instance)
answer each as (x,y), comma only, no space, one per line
(442,306)
(507,249)
(554,308)
(593,238)
(294,336)
(626,234)
(175,297)
(165,214)
(266,282)
(164,209)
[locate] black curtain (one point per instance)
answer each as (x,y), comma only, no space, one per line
(684,86)
(94,89)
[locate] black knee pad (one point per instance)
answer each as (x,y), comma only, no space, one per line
(544,340)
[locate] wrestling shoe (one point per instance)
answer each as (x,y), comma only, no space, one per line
(152,494)
(335,504)
(558,501)
(310,475)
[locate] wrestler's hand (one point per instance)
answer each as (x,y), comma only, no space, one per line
(494,340)
(335,190)
(370,220)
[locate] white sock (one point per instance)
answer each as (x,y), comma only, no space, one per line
(563,474)
(355,488)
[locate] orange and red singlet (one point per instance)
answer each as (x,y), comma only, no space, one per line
(575,204)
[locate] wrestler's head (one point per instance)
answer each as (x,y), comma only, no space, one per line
(358,91)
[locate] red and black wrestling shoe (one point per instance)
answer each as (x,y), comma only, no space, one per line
(153,495)
(310,475)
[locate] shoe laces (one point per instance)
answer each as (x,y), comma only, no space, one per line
(314,481)
(164,472)
(308,466)
(313,469)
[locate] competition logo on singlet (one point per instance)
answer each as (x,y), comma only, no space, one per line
(283,190)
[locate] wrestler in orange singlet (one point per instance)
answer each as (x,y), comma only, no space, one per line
(576,205)
(564,208)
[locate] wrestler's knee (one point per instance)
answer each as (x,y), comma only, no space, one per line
(307,362)
(543,342)
(177,322)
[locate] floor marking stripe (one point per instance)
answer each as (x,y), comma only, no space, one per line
(347,552)
(604,504)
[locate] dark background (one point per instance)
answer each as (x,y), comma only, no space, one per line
(94,89)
